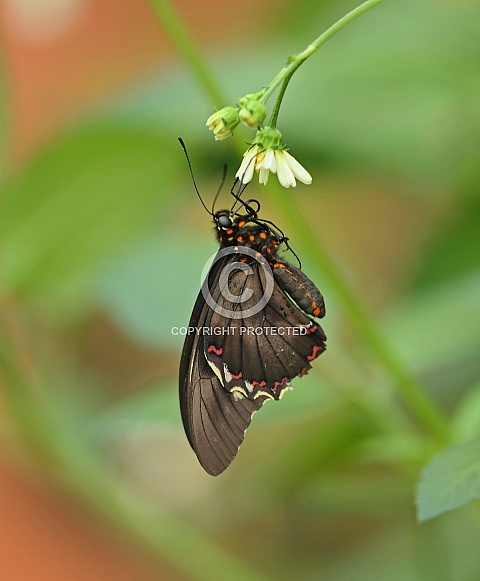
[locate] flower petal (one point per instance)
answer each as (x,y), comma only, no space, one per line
(259,158)
(263,176)
(245,171)
(285,174)
(269,161)
(243,166)
(298,170)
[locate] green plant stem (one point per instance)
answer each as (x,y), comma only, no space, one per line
(276,109)
(183,42)
(411,391)
(286,73)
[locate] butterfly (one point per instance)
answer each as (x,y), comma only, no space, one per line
(252,330)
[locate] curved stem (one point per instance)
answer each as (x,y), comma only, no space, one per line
(286,73)
(278,102)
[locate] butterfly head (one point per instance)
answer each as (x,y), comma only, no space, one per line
(229,227)
(223,221)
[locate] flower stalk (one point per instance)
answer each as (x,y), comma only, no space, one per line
(251,111)
(285,74)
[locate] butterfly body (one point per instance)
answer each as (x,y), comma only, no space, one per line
(249,335)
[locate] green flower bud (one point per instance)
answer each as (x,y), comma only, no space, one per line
(223,122)
(269,138)
(252,113)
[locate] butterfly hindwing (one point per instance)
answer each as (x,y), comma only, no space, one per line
(262,352)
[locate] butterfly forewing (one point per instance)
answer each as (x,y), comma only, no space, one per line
(214,421)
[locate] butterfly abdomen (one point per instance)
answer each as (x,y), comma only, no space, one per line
(300,288)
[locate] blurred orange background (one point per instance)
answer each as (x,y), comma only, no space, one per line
(61,56)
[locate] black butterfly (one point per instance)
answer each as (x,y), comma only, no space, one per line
(249,335)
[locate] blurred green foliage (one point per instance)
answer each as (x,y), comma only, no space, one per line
(77,202)
(103,223)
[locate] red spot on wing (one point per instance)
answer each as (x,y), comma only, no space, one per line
(261,384)
(279,383)
(213,349)
(315,352)
(236,376)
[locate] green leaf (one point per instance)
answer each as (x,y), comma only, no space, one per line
(451,479)
(79,200)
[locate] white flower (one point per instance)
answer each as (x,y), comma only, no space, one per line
(266,160)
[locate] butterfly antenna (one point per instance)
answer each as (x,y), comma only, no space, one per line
(237,194)
(219,187)
(182,143)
